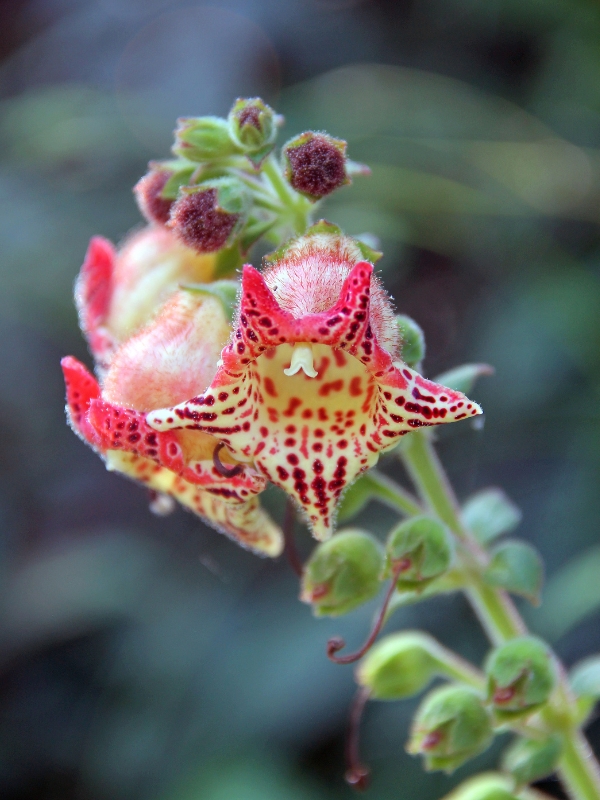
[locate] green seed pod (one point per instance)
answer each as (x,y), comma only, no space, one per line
(530,760)
(451,726)
(422,548)
(521,676)
(413,340)
(342,573)
(401,665)
(486,786)
(203,139)
(253,127)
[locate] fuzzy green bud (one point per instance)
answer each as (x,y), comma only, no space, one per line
(529,760)
(421,548)
(413,340)
(401,665)
(521,676)
(253,127)
(203,139)
(451,726)
(342,573)
(486,786)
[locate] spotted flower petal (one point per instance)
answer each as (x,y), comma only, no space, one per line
(306,391)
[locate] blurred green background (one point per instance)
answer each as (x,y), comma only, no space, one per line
(146,657)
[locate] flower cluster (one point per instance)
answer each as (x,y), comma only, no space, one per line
(305,389)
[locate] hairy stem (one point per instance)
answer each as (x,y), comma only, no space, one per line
(497,613)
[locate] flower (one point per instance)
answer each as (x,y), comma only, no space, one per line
(310,388)
(149,352)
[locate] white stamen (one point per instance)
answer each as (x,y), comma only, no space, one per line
(302,358)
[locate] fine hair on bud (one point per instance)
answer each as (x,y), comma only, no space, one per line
(198,221)
(149,195)
(316,164)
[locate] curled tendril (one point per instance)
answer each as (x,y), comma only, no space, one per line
(357,774)
(226,472)
(336,643)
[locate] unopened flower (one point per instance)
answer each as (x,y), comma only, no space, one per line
(153,345)
(310,388)
(149,195)
(315,164)
(117,292)
(207,217)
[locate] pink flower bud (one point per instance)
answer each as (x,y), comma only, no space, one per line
(148,193)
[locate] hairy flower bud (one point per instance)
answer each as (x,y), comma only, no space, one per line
(529,760)
(203,139)
(342,573)
(401,665)
(252,127)
(413,340)
(149,195)
(207,217)
(422,547)
(521,676)
(451,726)
(315,164)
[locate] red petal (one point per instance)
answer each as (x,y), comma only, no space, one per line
(93,292)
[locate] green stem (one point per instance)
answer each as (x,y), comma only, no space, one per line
(578,769)
(298,207)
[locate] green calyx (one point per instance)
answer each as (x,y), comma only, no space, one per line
(226,293)
(342,573)
(529,760)
(253,128)
(203,139)
(521,675)
(486,786)
(451,726)
(401,665)
(418,550)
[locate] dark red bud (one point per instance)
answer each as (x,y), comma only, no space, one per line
(199,223)
(148,192)
(250,115)
(317,167)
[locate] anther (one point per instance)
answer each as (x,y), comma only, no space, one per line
(302,358)
(226,472)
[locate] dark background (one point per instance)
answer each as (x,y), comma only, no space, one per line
(146,657)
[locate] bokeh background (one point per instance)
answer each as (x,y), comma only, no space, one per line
(146,657)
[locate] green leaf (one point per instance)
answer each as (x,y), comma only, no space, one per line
(572,594)
(490,513)
(228,261)
(584,678)
(517,567)
(180,177)
(225,291)
(463,378)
